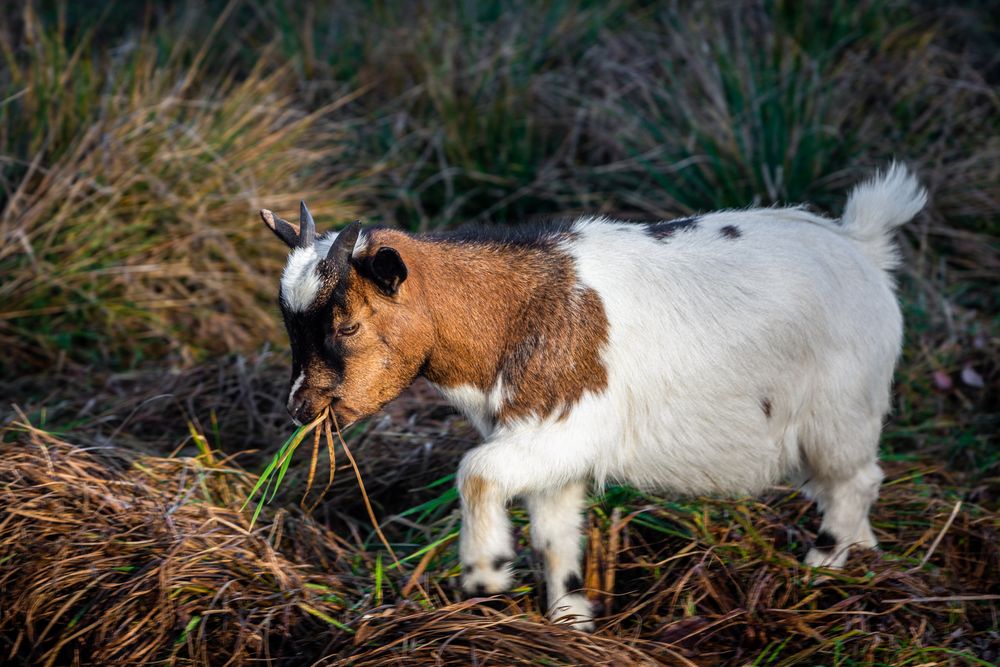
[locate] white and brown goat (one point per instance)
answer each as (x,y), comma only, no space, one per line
(710,355)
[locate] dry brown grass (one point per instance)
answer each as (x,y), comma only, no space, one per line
(111,558)
(109,555)
(129,202)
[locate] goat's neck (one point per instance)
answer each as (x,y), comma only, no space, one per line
(479,298)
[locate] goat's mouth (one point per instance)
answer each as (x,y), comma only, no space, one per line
(341,415)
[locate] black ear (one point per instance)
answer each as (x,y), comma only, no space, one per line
(387,270)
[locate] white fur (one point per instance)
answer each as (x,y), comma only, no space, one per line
(556,518)
(877,207)
(798,311)
(478,407)
(295,388)
(575,609)
(300,282)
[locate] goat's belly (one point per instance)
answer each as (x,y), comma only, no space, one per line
(732,449)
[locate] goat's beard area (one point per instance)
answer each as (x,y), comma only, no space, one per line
(345,403)
(346,413)
(344,416)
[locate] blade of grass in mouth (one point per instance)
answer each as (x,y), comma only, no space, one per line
(279,463)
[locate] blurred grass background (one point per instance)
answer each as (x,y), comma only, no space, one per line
(138,139)
(137,295)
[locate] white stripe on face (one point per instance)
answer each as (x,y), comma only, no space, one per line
(295,388)
(299,282)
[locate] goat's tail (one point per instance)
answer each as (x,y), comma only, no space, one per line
(877,207)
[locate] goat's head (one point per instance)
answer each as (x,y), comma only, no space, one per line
(357,331)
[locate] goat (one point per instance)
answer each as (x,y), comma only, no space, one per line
(717,354)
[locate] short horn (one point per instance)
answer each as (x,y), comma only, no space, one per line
(282,229)
(343,247)
(307,227)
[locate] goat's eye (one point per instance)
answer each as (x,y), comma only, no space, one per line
(348,330)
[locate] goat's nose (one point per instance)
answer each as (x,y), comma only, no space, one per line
(295,407)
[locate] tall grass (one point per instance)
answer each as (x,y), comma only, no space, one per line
(131,178)
(135,146)
(469,109)
(501,110)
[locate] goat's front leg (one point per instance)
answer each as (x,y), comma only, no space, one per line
(486,547)
(489,477)
(556,518)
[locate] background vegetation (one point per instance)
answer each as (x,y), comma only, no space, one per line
(137,308)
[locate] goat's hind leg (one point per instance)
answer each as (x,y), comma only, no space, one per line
(845,502)
(556,518)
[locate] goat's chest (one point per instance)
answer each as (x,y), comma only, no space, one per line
(478,406)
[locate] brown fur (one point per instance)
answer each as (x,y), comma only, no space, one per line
(468,312)
(474,491)
(388,350)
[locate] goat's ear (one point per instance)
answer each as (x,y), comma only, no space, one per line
(387,270)
(281,228)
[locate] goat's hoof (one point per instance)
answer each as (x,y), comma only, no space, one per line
(575,610)
(487,578)
(833,559)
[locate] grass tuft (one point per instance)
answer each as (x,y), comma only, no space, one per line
(113,556)
(129,183)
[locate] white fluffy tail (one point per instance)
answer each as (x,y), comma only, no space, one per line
(877,207)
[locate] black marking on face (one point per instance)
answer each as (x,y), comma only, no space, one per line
(664,230)
(481,590)
(825,541)
(501,563)
(765,405)
(573,582)
(315,352)
(730,232)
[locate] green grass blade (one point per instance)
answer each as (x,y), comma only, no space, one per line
(280,462)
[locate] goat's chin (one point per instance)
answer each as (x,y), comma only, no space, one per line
(344,416)
(345,422)
(347,415)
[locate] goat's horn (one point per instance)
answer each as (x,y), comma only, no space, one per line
(307,227)
(281,228)
(342,248)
